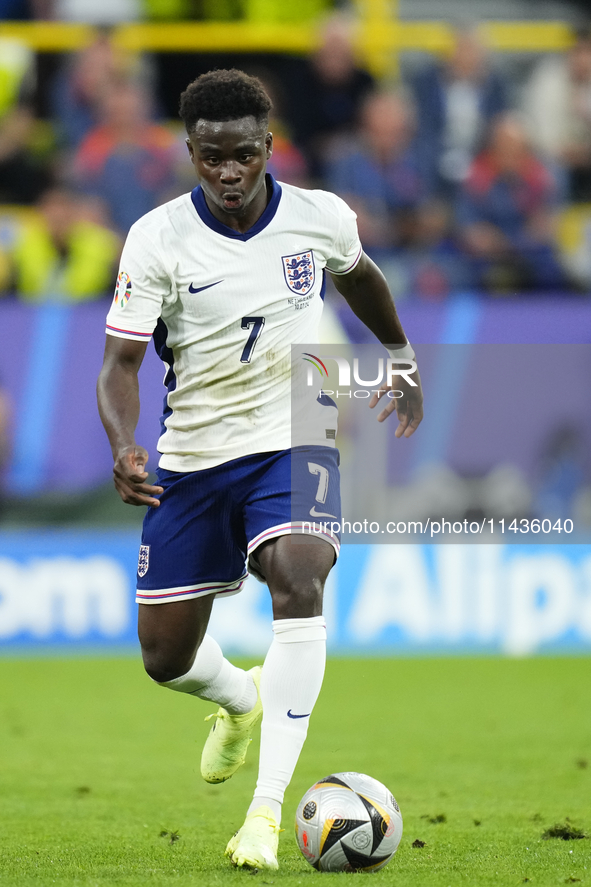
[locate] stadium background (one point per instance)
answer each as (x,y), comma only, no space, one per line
(68,547)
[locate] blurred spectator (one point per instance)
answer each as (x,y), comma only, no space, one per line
(506,213)
(22,177)
(436,266)
(78,87)
(60,252)
(287,163)
(378,176)
(127,161)
(557,102)
(456,100)
(326,99)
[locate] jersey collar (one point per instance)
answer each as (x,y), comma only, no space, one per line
(206,216)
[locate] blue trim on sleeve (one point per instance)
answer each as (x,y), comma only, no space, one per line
(165,354)
(323,287)
(208,218)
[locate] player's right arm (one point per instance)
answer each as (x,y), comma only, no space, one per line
(119,408)
(142,285)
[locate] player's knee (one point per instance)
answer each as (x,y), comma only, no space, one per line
(161,674)
(163,667)
(298,598)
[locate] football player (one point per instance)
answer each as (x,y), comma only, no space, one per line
(224,280)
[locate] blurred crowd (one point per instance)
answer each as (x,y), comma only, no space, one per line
(462,180)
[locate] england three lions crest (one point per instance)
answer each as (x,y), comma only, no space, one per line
(299,272)
(143,561)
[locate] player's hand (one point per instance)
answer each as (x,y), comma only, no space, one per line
(130,476)
(409,407)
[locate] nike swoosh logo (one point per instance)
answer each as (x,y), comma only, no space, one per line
(199,289)
(315,513)
(289,715)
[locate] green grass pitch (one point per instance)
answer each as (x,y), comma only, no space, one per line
(483,755)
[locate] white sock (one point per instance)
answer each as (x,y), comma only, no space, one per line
(290,683)
(213,678)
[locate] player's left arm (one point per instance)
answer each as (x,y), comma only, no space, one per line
(368,295)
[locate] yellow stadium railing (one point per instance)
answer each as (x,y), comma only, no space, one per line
(380,36)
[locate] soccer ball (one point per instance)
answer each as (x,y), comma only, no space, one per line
(348,822)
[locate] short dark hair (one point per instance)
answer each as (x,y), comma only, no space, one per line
(224,95)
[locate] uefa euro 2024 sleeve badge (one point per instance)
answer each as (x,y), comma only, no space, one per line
(123,289)
(300,275)
(143,561)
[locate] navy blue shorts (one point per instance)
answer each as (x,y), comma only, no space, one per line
(210,522)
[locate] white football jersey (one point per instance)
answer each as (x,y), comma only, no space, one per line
(224,309)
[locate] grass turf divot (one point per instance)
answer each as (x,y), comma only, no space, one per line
(565,831)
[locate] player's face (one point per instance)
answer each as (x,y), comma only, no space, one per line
(230,160)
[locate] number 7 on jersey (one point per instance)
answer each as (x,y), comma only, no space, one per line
(255,325)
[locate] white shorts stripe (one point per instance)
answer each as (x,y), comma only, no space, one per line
(320,531)
(186,592)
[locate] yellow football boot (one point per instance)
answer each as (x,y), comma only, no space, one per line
(226,746)
(254,846)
